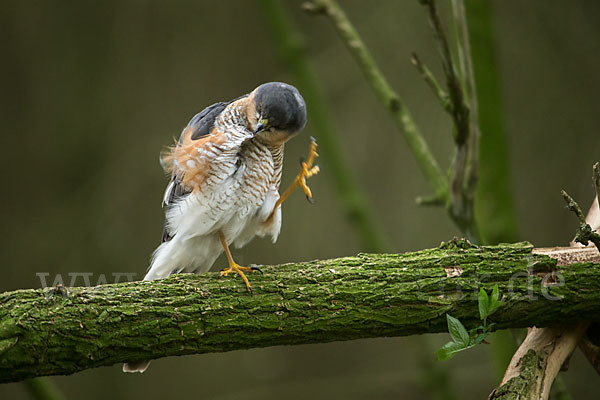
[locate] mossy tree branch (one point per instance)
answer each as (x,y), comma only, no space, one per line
(50,332)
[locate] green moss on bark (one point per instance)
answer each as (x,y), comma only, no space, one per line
(42,332)
(526,384)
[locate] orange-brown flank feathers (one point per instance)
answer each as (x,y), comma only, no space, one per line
(184,159)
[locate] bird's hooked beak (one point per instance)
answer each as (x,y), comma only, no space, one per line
(263,124)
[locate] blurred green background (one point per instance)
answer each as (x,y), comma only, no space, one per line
(91,91)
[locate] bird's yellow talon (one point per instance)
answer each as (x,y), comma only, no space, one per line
(234,268)
(306,171)
(305,187)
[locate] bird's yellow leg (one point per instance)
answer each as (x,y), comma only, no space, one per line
(233,266)
(306,171)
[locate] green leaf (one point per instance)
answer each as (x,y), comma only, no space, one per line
(479,339)
(449,350)
(494,302)
(457,331)
(494,298)
(484,304)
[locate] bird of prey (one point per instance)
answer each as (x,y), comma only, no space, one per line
(225,176)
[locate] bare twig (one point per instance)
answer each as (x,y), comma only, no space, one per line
(463,179)
(291,47)
(584,233)
(464,56)
(460,196)
(459,109)
(384,92)
(429,78)
(573,206)
(470,92)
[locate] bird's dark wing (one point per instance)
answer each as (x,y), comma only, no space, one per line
(174,191)
(203,122)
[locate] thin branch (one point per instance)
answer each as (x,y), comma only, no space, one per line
(460,111)
(464,169)
(573,206)
(433,200)
(429,78)
(384,92)
(470,92)
(584,233)
(291,47)
(465,64)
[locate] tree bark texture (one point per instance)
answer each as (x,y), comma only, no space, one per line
(537,362)
(65,330)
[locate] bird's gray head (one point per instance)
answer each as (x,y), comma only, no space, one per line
(279,109)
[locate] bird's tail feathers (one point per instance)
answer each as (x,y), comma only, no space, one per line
(163,261)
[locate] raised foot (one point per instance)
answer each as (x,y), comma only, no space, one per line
(307,169)
(234,268)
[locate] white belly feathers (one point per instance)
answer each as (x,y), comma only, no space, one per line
(237,198)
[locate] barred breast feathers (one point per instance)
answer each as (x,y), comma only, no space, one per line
(194,161)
